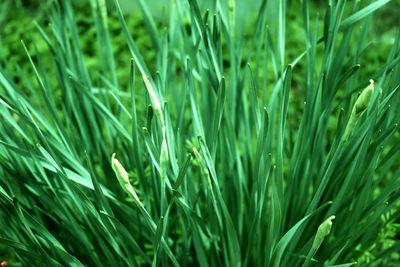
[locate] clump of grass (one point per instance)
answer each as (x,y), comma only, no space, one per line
(218,177)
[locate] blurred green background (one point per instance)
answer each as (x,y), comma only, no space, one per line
(17,17)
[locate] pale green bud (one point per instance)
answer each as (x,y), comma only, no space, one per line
(123,178)
(154,100)
(359,107)
(121,173)
(363,100)
(323,230)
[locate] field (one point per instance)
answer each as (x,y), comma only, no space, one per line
(199,133)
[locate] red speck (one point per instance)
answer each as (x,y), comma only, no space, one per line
(3,263)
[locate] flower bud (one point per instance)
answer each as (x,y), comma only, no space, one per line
(154,100)
(363,100)
(123,178)
(323,230)
(359,107)
(121,173)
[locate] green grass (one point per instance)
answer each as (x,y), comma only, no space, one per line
(237,149)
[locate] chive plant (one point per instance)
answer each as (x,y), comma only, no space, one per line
(221,175)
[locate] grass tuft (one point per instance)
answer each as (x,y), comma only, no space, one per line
(230,151)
